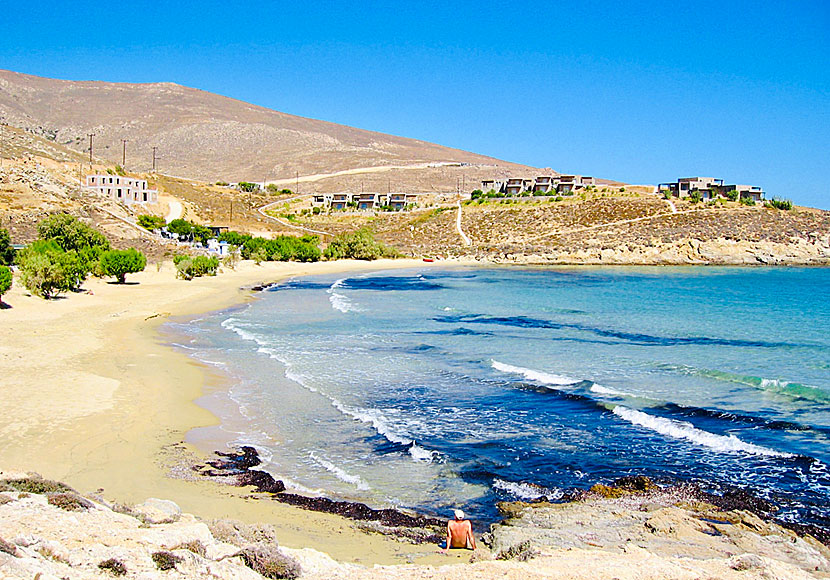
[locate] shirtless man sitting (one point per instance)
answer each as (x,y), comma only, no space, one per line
(460,533)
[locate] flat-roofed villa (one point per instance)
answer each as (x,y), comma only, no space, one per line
(399,201)
(709,188)
(545,183)
(341,200)
(127,190)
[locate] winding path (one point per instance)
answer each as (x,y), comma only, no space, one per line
(465,237)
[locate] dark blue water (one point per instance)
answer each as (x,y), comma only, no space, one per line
(437,388)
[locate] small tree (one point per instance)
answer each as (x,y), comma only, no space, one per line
(6,249)
(151,222)
(119,263)
(248,187)
(5,281)
(70,233)
(43,268)
(182,228)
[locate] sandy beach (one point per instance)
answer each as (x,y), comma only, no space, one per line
(94,397)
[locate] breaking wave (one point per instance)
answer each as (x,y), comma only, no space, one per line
(686,431)
(527,491)
(533,375)
(339,301)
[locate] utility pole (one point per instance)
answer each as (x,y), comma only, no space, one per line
(124,153)
(90,135)
(154,159)
(230,222)
(297,182)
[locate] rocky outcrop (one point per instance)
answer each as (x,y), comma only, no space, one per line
(45,540)
(668,523)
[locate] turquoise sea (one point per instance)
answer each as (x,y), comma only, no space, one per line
(437,388)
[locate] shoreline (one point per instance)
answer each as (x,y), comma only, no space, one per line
(95,397)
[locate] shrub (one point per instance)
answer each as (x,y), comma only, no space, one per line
(666,194)
(113,566)
(232,258)
(5,281)
(70,233)
(746,200)
(270,562)
(695,197)
(165,560)
(732,195)
(248,187)
(188,267)
(69,501)
(783,204)
(151,222)
(119,263)
(6,249)
(46,270)
(195,546)
(359,245)
(120,171)
(180,227)
(222,183)
(37,485)
(521,552)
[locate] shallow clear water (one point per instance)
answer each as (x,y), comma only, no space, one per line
(439,388)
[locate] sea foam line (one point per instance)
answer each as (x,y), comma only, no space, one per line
(339,473)
(684,430)
(534,375)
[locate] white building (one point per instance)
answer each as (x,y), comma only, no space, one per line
(124,189)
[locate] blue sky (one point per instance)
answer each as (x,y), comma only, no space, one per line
(641,92)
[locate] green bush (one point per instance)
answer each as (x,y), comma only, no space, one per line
(695,197)
(113,566)
(188,267)
(6,249)
(248,187)
(222,183)
(165,560)
(70,233)
(783,204)
(47,270)
(119,263)
(732,195)
(5,281)
(746,200)
(180,227)
(120,171)
(359,245)
(151,222)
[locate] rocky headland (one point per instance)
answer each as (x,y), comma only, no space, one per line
(632,530)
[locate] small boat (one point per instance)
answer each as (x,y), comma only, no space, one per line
(429,260)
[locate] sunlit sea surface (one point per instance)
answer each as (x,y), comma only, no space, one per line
(432,388)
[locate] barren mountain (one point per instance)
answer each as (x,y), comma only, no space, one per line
(208,136)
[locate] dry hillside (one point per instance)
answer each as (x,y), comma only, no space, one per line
(208,136)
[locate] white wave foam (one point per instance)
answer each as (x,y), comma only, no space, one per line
(418,453)
(339,473)
(339,301)
(525,490)
(601,390)
(377,420)
(533,375)
(684,430)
